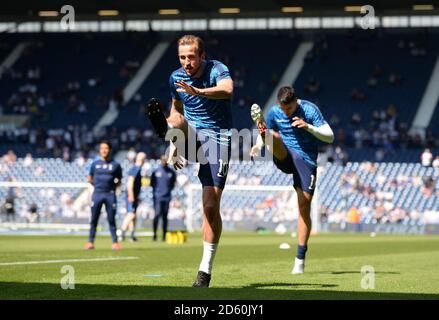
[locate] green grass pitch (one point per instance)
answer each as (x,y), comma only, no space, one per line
(247,266)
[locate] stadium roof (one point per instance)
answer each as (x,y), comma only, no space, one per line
(30,9)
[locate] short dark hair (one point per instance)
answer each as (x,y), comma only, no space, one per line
(192,39)
(107,142)
(286,95)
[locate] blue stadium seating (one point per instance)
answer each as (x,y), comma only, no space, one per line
(334,196)
(348,63)
(77,57)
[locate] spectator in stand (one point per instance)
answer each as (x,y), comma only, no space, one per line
(357,95)
(33,215)
(426,158)
(28,160)
(395,79)
(313,86)
(428,187)
(10,157)
(341,157)
(435,162)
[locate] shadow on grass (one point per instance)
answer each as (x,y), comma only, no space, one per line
(17,290)
(291,285)
(349,272)
(359,272)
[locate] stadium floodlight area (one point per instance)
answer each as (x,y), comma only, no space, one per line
(412,21)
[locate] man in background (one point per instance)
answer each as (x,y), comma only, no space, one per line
(105,175)
(134,186)
(162,183)
(10,203)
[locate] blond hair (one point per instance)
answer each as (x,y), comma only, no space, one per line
(190,39)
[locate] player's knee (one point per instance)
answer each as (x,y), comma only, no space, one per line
(111,218)
(211,211)
(176,120)
(304,204)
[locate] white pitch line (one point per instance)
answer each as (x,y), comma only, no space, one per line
(66,260)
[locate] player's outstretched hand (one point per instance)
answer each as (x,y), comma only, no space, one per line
(174,159)
(187,88)
(299,123)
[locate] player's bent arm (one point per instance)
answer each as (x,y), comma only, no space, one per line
(223,90)
(90,179)
(323,133)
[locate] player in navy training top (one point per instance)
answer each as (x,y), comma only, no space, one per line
(162,182)
(105,175)
(201,92)
(292,132)
(134,186)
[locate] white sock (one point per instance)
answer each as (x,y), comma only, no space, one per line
(208,255)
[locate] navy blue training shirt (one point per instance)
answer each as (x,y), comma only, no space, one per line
(299,140)
(162,182)
(105,175)
(213,115)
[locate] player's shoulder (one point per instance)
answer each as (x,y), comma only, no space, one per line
(274,110)
(309,106)
(178,73)
(215,65)
(115,163)
(215,62)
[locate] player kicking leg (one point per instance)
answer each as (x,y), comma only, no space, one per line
(201,91)
(290,135)
(212,176)
(276,147)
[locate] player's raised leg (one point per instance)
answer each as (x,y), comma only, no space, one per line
(270,138)
(199,107)
(297,127)
(161,124)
